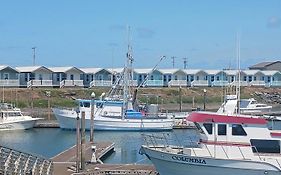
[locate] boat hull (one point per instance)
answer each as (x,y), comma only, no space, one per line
(17,125)
(67,120)
(177,164)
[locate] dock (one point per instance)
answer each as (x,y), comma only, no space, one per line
(65,162)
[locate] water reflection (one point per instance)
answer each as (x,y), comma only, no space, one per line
(49,142)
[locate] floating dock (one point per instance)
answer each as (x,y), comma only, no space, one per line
(65,162)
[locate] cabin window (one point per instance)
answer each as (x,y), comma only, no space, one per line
(176,77)
(245,78)
(165,78)
(170,77)
(187,78)
(232,78)
(87,77)
(206,77)
(198,128)
(265,146)
(58,77)
(86,104)
(197,77)
(212,78)
(71,77)
(221,129)
(40,77)
(208,127)
(151,77)
(238,130)
(191,78)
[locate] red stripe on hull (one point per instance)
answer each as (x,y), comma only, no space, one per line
(203,117)
(275,134)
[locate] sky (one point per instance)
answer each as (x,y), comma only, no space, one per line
(94,33)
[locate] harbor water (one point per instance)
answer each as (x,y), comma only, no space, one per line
(48,142)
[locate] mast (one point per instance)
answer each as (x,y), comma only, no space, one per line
(238,73)
(127,76)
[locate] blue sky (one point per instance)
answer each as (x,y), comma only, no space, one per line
(92,33)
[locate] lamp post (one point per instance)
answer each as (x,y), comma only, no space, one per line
(33,48)
(48,94)
(205,91)
(92,117)
(77,140)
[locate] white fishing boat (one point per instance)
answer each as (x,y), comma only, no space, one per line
(246,106)
(11,118)
(235,144)
(108,116)
(118,111)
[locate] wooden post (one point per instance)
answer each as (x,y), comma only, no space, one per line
(83,140)
(92,122)
(49,111)
(77,142)
(180,99)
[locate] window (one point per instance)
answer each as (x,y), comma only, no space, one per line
(255,78)
(58,77)
(87,77)
(71,77)
(250,78)
(191,78)
(197,77)
(238,130)
(265,146)
(206,77)
(245,78)
(218,78)
(187,78)
(165,78)
(221,129)
(198,128)
(151,77)
(268,79)
(232,78)
(6,76)
(170,77)
(208,127)
(212,78)
(176,77)
(40,77)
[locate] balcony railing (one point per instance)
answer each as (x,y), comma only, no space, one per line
(9,83)
(71,83)
(242,83)
(257,83)
(154,83)
(177,83)
(275,83)
(39,83)
(220,83)
(101,83)
(199,83)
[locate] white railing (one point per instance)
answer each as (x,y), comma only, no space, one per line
(101,83)
(39,83)
(257,83)
(71,83)
(154,83)
(220,83)
(199,83)
(242,83)
(177,83)
(275,83)
(10,83)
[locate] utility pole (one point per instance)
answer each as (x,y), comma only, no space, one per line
(185,63)
(173,61)
(33,48)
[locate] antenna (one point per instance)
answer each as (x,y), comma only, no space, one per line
(173,61)
(33,48)
(238,72)
(185,63)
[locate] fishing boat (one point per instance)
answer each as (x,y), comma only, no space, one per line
(118,110)
(229,144)
(11,118)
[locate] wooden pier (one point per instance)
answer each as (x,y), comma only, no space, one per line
(65,162)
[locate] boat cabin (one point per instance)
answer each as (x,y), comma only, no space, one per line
(242,130)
